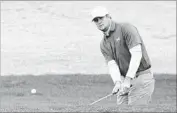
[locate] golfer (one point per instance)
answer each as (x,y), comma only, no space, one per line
(127,59)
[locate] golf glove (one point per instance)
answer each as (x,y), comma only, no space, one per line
(124,91)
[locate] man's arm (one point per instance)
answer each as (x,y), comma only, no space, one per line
(114,71)
(136,55)
(115,75)
(133,41)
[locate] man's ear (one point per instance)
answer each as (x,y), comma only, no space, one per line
(108,16)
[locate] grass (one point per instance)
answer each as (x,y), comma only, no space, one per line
(73,93)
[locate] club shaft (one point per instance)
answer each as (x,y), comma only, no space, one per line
(101,99)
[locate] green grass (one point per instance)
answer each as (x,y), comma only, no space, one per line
(65,93)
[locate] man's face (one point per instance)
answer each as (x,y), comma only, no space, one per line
(102,23)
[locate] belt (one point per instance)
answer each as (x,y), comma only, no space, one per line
(143,72)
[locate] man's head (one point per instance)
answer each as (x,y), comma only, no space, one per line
(100,16)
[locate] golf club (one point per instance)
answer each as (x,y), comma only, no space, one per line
(101,99)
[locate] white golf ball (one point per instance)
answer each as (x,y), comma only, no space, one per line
(33,91)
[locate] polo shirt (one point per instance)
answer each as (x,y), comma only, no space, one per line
(122,37)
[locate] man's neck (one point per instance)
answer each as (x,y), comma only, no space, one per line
(108,30)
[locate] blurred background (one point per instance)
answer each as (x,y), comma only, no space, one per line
(58,37)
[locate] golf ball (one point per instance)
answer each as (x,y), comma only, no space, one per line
(33,91)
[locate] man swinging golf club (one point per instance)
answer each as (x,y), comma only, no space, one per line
(127,59)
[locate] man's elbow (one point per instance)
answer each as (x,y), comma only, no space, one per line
(136,51)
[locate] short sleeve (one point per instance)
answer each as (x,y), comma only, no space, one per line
(106,53)
(131,35)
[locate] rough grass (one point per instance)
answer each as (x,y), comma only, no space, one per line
(73,93)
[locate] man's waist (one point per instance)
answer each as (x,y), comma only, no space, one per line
(139,72)
(143,72)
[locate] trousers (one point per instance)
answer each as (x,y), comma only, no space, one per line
(141,91)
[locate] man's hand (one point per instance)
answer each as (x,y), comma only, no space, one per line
(125,86)
(116,87)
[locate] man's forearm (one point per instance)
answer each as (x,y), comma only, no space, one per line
(136,55)
(114,71)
